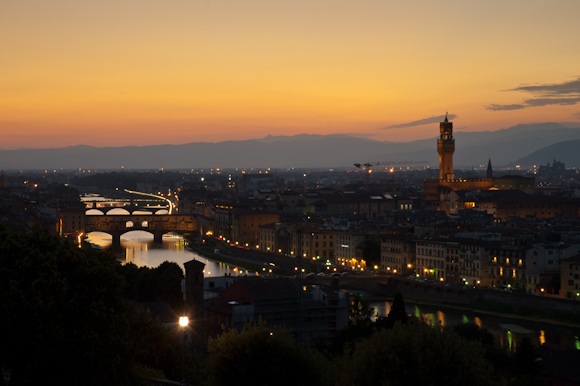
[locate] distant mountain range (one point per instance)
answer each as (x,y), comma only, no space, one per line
(567,152)
(522,144)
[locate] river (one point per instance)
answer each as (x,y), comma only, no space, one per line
(507,331)
(138,248)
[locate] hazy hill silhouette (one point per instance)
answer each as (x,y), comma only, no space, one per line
(309,151)
(567,152)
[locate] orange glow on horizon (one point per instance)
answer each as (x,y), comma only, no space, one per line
(210,72)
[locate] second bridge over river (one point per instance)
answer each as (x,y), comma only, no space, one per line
(158,225)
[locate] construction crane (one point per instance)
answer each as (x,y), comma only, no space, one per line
(367,166)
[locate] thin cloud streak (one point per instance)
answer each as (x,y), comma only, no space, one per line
(420,122)
(564,94)
(566,88)
(504,107)
(552,101)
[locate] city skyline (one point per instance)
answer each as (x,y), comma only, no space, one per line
(149,72)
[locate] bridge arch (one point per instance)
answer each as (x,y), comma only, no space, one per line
(137,224)
(158,225)
(142,233)
(117,212)
(118,235)
(94,212)
(140,211)
(100,238)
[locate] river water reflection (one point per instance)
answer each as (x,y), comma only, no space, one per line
(507,332)
(138,248)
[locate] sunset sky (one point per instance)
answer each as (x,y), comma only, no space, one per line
(142,72)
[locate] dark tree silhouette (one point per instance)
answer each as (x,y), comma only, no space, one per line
(146,284)
(497,356)
(525,366)
(398,313)
(62,320)
(415,354)
(360,312)
(472,331)
(260,355)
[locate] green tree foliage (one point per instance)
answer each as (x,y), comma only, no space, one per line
(361,324)
(260,355)
(62,320)
(360,312)
(415,354)
(497,356)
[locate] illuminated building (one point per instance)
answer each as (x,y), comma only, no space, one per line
(314,241)
(509,182)
(354,203)
(398,254)
(246,225)
(238,220)
(345,249)
(545,262)
(570,278)
(3,180)
(504,204)
(268,237)
(446,148)
(507,266)
(71,220)
(436,189)
(495,195)
(430,258)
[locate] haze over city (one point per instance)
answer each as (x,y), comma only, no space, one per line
(149,72)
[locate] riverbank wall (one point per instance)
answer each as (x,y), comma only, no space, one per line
(472,297)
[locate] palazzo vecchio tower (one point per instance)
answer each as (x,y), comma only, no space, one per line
(446,148)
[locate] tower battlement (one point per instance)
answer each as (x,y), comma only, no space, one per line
(446,148)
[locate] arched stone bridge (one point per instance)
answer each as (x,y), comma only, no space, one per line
(135,208)
(158,225)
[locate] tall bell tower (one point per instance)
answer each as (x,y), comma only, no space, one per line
(446,148)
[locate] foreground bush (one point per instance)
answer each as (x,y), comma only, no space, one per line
(260,355)
(415,354)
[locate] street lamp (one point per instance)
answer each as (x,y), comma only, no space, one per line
(184,322)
